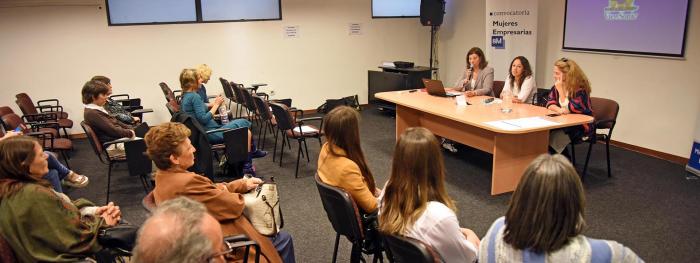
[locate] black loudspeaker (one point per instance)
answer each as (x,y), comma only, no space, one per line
(431,12)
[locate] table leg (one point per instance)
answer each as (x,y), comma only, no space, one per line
(512,153)
(406,118)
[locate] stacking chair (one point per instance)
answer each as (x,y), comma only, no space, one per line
(173,107)
(236,152)
(540,98)
(253,113)
(46,132)
(228,91)
(498,88)
(605,114)
(138,162)
(293,128)
(405,249)
(269,123)
(50,106)
(102,154)
(170,94)
(344,215)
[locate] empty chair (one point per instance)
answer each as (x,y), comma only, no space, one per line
(497,88)
(45,107)
(103,155)
(46,132)
(605,113)
(293,128)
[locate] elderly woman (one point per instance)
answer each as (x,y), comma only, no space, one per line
(171,150)
(106,127)
(545,221)
(39,223)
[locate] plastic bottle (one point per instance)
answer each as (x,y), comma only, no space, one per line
(224,114)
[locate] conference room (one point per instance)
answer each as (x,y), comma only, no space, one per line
(296,55)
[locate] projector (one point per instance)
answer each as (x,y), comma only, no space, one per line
(403,64)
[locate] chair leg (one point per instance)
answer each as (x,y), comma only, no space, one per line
(65,159)
(588,157)
(284,136)
(335,248)
(109,181)
(356,253)
(607,155)
(274,151)
(306,148)
(299,152)
(289,145)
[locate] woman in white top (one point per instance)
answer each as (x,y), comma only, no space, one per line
(415,204)
(520,85)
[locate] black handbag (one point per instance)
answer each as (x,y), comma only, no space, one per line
(121,236)
(350,101)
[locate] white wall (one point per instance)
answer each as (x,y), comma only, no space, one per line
(49,52)
(659,98)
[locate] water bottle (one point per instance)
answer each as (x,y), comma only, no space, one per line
(224,114)
(507,103)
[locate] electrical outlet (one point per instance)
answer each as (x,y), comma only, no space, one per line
(272,92)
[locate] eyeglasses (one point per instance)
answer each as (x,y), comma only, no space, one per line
(227,253)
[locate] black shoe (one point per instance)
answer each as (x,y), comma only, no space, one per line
(258,154)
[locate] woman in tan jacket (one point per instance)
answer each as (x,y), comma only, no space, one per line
(341,162)
(171,150)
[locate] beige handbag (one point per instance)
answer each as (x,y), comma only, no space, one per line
(262,208)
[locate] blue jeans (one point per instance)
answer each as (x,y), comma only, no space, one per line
(57,171)
(284,245)
(218,137)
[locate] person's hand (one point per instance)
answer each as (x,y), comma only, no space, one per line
(136,119)
(563,110)
(471,236)
(470,93)
(10,134)
(377,192)
(219,100)
(558,83)
(253,182)
(516,100)
(110,213)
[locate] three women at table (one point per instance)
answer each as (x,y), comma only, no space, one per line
(545,221)
(477,78)
(520,83)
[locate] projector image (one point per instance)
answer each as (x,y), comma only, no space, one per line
(403,64)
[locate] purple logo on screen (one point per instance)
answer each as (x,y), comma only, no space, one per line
(498,42)
(625,11)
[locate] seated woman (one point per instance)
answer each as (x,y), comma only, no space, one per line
(545,220)
(415,204)
(57,171)
(40,224)
(477,78)
(570,94)
(115,108)
(106,127)
(520,84)
(171,150)
(341,162)
(192,104)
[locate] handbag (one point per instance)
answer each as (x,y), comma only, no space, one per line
(122,236)
(262,207)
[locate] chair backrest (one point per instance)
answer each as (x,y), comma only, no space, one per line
(94,141)
(173,107)
(5,110)
(167,92)
(540,98)
(237,92)
(263,108)
(605,109)
(406,249)
(249,103)
(227,89)
(26,105)
(284,119)
(236,141)
(498,87)
(341,210)
(136,159)
(198,137)
(12,121)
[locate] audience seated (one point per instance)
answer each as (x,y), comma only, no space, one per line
(571,93)
(57,171)
(180,230)
(520,83)
(114,108)
(204,73)
(106,127)
(193,105)
(545,221)
(341,162)
(40,224)
(171,150)
(415,204)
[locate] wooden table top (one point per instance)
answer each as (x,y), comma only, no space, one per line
(478,112)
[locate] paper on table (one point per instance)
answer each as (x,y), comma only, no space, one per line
(522,123)
(306,129)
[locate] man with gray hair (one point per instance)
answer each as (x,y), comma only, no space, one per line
(180,230)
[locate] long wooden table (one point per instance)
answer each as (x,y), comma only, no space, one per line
(512,150)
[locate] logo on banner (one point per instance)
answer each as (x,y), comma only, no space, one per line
(621,11)
(498,42)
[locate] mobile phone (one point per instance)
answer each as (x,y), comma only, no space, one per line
(488,100)
(413,90)
(18,129)
(552,115)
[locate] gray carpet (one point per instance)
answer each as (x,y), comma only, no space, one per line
(647,203)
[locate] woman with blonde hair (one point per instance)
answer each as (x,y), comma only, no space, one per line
(570,94)
(545,220)
(415,203)
(204,72)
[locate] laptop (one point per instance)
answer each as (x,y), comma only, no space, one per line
(435,88)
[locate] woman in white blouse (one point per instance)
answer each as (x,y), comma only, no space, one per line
(520,85)
(415,204)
